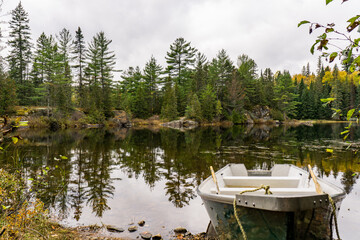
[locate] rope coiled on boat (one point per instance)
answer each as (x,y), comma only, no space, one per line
(267,192)
(335,218)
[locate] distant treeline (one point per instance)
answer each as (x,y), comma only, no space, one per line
(63,72)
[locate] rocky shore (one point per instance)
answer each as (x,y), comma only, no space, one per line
(110,232)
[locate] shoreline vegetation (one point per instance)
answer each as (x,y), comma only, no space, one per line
(80,121)
(35,118)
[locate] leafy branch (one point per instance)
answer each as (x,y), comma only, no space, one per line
(331,37)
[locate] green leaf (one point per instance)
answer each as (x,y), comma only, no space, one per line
(353,19)
(5,207)
(303,22)
(328,1)
(23,124)
(344,132)
(329,150)
(333,56)
(352,67)
(63,157)
(350,114)
(313,47)
(327,100)
(15,140)
(1,148)
(354,174)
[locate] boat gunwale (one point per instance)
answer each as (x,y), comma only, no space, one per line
(228,199)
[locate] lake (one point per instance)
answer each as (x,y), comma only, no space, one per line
(122,176)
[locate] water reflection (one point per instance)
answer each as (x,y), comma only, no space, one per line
(97,160)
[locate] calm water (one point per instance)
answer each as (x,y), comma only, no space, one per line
(122,176)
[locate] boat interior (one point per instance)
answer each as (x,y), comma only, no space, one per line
(283,179)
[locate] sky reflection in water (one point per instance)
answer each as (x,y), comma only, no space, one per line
(121,176)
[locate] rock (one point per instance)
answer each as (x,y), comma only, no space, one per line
(180,230)
(190,124)
(157,237)
(77,115)
(187,234)
(111,228)
(133,228)
(141,223)
(121,118)
(181,124)
(93,126)
(146,235)
(248,119)
(261,112)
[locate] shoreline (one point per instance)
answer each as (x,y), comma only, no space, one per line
(65,123)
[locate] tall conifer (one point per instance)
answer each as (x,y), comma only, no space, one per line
(20,51)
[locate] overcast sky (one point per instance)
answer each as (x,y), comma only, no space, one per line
(265,30)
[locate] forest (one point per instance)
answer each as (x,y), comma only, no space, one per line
(65,72)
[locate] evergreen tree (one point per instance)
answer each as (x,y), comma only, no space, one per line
(99,73)
(41,60)
(301,91)
(169,106)
(48,69)
(284,94)
(180,62)
(7,94)
(247,73)
(20,52)
(268,85)
(336,92)
(200,74)
(128,88)
(64,92)
(208,103)
(220,73)
(80,56)
(236,94)
(140,102)
(152,78)
(193,109)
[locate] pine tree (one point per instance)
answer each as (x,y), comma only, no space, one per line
(200,74)
(220,73)
(284,94)
(169,106)
(208,103)
(193,109)
(180,59)
(247,70)
(140,102)
(336,92)
(152,78)
(80,56)
(180,62)
(20,52)
(301,91)
(64,91)
(41,59)
(7,94)
(100,73)
(268,83)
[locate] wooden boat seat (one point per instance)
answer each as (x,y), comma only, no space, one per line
(293,191)
(254,182)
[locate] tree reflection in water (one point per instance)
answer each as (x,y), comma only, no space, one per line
(181,159)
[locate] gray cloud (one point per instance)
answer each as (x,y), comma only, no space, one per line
(265,30)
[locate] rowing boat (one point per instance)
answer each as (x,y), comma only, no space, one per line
(294,210)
